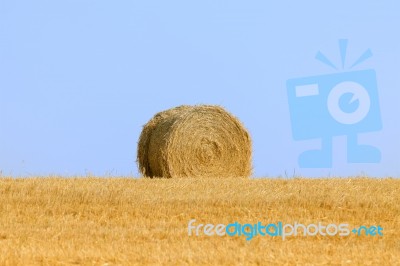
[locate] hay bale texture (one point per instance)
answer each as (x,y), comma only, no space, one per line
(194,141)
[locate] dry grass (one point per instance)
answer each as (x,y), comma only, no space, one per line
(120,221)
(194,141)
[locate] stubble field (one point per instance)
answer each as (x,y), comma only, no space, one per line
(126,221)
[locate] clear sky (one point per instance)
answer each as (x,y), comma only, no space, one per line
(78,78)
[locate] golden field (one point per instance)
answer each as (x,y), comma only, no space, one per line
(126,221)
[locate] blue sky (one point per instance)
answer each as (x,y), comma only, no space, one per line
(78,79)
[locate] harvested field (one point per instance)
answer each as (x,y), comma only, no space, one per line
(125,221)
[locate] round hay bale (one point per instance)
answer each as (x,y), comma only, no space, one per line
(194,141)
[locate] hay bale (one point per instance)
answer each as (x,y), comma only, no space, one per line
(194,141)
